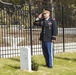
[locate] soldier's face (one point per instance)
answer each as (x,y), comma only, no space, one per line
(46,15)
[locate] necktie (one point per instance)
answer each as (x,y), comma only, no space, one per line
(46,22)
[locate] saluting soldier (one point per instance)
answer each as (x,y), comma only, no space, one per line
(47,35)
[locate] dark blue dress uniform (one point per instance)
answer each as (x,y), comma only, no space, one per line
(49,30)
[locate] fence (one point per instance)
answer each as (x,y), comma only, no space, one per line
(17,30)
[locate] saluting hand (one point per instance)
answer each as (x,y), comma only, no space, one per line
(40,16)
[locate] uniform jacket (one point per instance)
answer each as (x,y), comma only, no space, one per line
(49,29)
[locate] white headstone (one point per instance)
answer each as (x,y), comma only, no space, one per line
(25,58)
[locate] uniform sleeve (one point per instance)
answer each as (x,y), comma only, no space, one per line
(38,22)
(54,28)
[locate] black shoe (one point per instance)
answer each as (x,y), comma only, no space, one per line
(50,66)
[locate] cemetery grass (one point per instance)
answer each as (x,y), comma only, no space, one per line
(64,64)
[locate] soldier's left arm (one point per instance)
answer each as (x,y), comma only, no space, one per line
(54,30)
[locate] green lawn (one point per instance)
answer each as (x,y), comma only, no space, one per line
(64,64)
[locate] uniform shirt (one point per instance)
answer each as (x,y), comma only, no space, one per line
(49,29)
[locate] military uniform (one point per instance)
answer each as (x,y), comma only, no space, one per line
(49,30)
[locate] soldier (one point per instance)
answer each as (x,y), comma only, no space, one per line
(47,35)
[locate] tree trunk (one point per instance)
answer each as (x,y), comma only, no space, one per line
(52,9)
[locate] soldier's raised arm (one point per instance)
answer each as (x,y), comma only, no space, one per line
(38,20)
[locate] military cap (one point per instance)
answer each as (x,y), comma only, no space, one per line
(45,11)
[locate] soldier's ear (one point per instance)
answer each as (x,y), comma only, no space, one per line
(49,14)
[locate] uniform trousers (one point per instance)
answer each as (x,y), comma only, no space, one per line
(48,52)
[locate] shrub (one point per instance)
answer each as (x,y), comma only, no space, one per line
(34,65)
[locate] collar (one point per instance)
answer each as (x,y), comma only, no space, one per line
(47,18)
